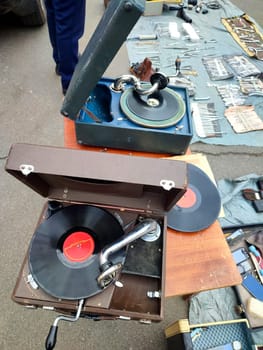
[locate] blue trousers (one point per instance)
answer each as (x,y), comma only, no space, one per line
(66,20)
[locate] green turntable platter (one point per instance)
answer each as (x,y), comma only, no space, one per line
(160,109)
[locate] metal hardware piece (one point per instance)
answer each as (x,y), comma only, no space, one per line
(107,276)
(144,321)
(69,318)
(144,227)
(26,169)
(154,294)
(125,318)
(201,98)
(49,308)
(153,235)
(158,81)
(109,271)
(167,184)
(91,115)
(119,284)
(32,282)
(52,335)
(127,78)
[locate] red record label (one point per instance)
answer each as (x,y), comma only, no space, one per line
(188,200)
(78,246)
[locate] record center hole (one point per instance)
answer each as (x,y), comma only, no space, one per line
(153,102)
(188,199)
(78,246)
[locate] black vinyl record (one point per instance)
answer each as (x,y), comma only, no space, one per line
(169,110)
(64,251)
(200,205)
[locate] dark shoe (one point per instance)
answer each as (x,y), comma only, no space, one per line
(57,69)
(64,91)
(106,3)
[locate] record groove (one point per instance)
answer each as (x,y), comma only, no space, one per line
(200,205)
(64,251)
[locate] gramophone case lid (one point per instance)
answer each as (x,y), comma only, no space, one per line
(99,178)
(111,32)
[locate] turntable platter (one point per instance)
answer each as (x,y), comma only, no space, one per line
(64,251)
(161,109)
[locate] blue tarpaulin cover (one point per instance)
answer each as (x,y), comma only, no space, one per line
(238,211)
(214,40)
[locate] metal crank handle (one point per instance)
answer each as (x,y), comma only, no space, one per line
(52,335)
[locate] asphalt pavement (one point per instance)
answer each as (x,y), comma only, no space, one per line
(30,100)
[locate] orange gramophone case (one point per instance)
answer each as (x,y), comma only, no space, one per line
(101,234)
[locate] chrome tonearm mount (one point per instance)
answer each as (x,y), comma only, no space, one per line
(110,271)
(158,81)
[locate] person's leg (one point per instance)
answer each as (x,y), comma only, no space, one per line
(70,20)
(51,21)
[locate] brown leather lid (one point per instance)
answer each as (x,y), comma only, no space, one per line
(100,178)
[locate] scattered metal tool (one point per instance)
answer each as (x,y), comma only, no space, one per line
(143,37)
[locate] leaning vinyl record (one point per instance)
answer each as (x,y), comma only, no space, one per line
(200,205)
(64,251)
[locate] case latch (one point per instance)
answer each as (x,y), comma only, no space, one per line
(26,169)
(154,294)
(32,282)
(167,184)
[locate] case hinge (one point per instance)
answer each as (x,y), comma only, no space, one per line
(144,321)
(49,308)
(26,169)
(167,184)
(125,318)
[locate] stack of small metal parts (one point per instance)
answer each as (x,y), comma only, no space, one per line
(246,33)
(230,66)
(231,95)
(216,68)
(241,65)
(206,120)
(251,86)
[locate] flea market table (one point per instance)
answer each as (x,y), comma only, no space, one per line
(196,261)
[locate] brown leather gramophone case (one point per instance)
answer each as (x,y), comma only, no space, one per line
(130,187)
